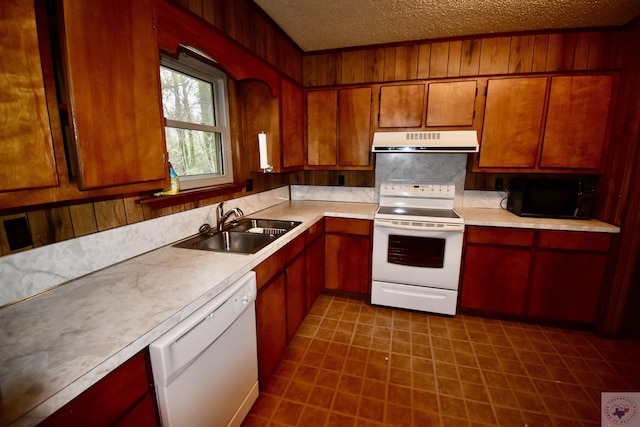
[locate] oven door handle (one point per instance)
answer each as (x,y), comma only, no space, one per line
(393,224)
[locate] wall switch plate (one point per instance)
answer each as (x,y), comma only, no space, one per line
(18,233)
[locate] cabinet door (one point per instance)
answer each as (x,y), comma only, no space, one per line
(271,327)
(322,127)
(292,124)
(576,121)
(512,122)
(495,278)
(354,139)
(26,143)
(261,115)
(114,83)
(347,263)
(296,295)
(451,104)
(315,270)
(566,285)
(401,106)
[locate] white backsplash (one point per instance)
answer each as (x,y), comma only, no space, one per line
(333,194)
(439,167)
(33,271)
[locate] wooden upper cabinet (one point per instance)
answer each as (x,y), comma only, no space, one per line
(25,134)
(401,106)
(354,138)
(292,125)
(339,128)
(282,120)
(322,127)
(577,116)
(451,103)
(112,67)
(512,122)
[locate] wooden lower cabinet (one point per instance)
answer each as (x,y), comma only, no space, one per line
(271,327)
(536,274)
(496,269)
(567,279)
(296,295)
(125,397)
(314,262)
(495,279)
(348,255)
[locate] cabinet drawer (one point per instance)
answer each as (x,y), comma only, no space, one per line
(268,268)
(500,236)
(584,241)
(292,250)
(314,232)
(360,227)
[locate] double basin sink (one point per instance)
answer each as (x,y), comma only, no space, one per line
(244,236)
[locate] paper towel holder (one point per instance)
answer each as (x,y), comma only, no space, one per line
(262,148)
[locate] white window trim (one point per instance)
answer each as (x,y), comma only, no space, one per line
(194,67)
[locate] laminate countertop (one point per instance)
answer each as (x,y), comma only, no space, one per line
(58,344)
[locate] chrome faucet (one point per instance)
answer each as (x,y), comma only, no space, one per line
(222,217)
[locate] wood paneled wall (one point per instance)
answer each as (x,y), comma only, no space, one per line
(567,51)
(619,197)
(245,22)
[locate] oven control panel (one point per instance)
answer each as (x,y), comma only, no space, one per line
(432,190)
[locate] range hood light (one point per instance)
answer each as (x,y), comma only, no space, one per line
(451,141)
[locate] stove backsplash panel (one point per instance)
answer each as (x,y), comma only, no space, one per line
(422,167)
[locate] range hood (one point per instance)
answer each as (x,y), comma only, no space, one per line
(444,141)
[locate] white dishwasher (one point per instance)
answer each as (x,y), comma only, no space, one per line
(206,368)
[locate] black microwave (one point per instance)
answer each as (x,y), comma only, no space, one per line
(551,198)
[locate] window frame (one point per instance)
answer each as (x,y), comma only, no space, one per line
(191,65)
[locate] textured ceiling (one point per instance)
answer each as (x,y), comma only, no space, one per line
(331,24)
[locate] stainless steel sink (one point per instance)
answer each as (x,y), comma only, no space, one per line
(228,241)
(246,236)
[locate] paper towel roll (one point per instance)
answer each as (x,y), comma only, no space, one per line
(262,144)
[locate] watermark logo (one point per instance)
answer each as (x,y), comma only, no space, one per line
(620,409)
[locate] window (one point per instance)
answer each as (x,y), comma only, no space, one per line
(194,100)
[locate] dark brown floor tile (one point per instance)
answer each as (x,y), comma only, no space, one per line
(400,377)
(298,391)
(341,420)
(502,397)
(351,364)
(423,381)
(321,397)
(399,395)
(346,403)
(472,375)
(351,384)
(397,416)
(449,387)
(472,391)
(288,413)
(481,412)
(277,385)
(314,417)
(446,370)
(371,409)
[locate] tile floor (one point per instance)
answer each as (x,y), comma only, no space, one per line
(351,364)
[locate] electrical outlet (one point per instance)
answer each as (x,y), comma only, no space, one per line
(18,233)
(340,179)
(249,186)
(499,184)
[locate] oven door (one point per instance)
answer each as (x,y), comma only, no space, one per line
(417,255)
